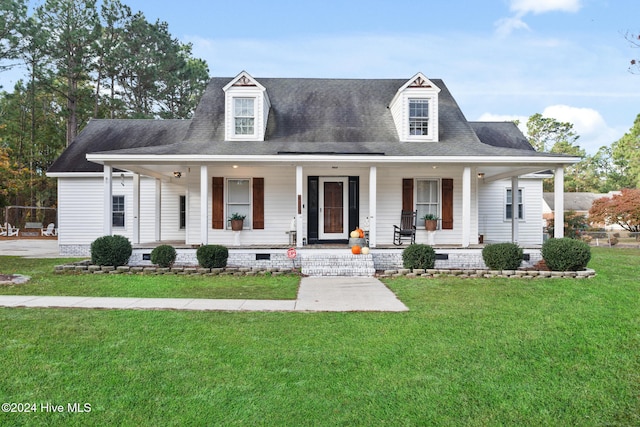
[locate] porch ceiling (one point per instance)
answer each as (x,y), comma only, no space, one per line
(489,172)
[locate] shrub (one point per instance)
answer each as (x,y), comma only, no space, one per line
(574,225)
(212,256)
(163,256)
(110,250)
(566,254)
(418,256)
(502,256)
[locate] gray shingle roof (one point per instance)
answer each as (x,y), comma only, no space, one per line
(116,134)
(310,116)
(574,201)
(501,134)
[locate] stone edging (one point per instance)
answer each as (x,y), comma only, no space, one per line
(83,267)
(473,273)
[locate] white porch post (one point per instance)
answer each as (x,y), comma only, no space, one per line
(135,238)
(514,210)
(373,205)
(158,200)
(299,186)
(204,205)
(108,201)
(466,207)
(558,214)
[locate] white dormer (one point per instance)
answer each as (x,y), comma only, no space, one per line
(246,109)
(415,110)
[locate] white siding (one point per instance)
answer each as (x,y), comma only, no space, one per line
(390,203)
(492,222)
(80,208)
(170,218)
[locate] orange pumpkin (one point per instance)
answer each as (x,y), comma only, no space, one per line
(355,249)
(360,232)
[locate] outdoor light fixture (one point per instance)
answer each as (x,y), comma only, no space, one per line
(177,174)
(480,175)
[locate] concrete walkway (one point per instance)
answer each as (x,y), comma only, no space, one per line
(314,294)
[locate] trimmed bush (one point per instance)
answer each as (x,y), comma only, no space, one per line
(566,254)
(418,256)
(111,250)
(212,256)
(502,256)
(164,256)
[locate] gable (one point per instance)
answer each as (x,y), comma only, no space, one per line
(415,109)
(246,109)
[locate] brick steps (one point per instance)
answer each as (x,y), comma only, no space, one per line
(323,264)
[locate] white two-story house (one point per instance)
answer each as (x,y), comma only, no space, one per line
(318,157)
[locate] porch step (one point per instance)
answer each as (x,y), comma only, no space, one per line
(323,264)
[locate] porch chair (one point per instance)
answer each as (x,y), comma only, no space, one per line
(50,230)
(11,231)
(407,228)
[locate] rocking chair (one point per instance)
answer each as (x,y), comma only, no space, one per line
(407,228)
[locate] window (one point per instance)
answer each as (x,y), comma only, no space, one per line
(239,199)
(418,117)
(427,197)
(117,211)
(183,212)
(244,116)
(509,204)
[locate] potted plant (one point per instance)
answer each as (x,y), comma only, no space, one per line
(430,222)
(237,220)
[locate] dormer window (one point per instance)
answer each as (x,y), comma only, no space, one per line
(415,110)
(244,116)
(418,117)
(246,109)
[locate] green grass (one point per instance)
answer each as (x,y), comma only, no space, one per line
(476,352)
(45,282)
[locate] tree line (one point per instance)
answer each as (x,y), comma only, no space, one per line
(611,168)
(82,60)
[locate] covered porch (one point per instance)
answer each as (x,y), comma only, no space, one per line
(289,209)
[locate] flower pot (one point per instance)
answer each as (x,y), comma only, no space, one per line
(236,224)
(430,224)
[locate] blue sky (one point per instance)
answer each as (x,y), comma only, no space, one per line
(501,59)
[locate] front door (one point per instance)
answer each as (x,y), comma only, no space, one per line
(333,218)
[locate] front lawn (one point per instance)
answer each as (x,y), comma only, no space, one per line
(45,282)
(476,352)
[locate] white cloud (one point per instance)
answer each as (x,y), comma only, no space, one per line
(588,123)
(506,26)
(522,7)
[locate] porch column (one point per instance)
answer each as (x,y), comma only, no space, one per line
(204,205)
(515,213)
(108,201)
(558,194)
(135,238)
(158,200)
(373,205)
(466,207)
(299,186)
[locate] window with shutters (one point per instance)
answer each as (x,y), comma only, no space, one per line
(427,198)
(244,196)
(429,195)
(239,199)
